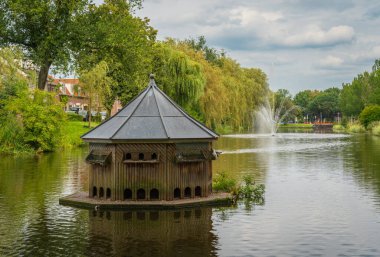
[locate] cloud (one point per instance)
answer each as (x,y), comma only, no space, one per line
(247,28)
(331,61)
(299,43)
(315,36)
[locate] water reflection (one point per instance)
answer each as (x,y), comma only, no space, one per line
(322,197)
(362,160)
(185,232)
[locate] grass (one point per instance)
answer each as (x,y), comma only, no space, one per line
(296,125)
(73,130)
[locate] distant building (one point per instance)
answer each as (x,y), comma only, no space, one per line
(75,97)
(68,88)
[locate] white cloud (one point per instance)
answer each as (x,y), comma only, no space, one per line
(315,36)
(331,61)
(249,16)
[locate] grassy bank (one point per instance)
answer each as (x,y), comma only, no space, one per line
(73,130)
(296,125)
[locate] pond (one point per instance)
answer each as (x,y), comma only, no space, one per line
(322,198)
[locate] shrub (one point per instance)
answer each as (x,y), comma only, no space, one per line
(376,129)
(369,114)
(339,127)
(74,117)
(12,136)
(355,128)
(41,117)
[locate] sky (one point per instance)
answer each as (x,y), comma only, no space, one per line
(299,44)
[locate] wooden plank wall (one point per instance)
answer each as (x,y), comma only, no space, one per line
(102,176)
(147,176)
(165,175)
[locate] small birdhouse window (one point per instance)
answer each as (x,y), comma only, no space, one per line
(128,156)
(141,156)
(154,156)
(100,158)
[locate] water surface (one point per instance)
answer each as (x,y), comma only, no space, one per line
(322,198)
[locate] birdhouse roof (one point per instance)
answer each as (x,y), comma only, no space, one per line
(152,115)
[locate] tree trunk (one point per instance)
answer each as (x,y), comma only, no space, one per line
(43,74)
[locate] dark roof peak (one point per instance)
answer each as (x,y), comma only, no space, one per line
(152,83)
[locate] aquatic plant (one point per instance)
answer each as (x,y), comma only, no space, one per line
(247,190)
(223,183)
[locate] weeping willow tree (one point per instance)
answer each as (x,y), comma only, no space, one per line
(222,94)
(181,77)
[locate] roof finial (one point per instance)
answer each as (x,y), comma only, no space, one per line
(151,76)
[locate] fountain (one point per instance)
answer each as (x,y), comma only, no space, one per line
(268,118)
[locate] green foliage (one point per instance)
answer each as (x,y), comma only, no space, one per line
(369,114)
(74,117)
(53,31)
(250,191)
(338,127)
(11,136)
(363,91)
(109,32)
(303,98)
(96,84)
(32,119)
(223,183)
(42,118)
(212,55)
(376,129)
(42,28)
(327,103)
(219,93)
(184,79)
(355,128)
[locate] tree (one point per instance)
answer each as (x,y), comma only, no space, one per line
(109,32)
(50,31)
(212,55)
(180,76)
(303,98)
(369,114)
(96,84)
(13,78)
(43,28)
(326,103)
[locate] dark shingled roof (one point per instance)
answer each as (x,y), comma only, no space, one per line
(152,115)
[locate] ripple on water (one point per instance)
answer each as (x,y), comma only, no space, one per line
(289,148)
(298,136)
